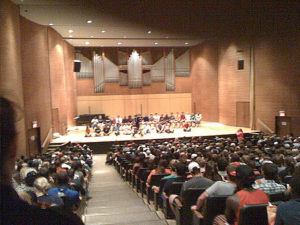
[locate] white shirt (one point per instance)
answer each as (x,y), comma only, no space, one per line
(198,116)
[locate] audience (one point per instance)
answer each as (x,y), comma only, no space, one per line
(14,210)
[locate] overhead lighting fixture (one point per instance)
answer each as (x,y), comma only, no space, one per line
(89,21)
(51,24)
(186,43)
(155,43)
(70,31)
(87,43)
(149,32)
(92,36)
(70,35)
(103,31)
(167,37)
(124,37)
(119,43)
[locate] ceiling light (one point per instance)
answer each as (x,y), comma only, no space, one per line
(70,31)
(119,43)
(156,43)
(149,32)
(124,37)
(87,43)
(186,43)
(103,31)
(92,36)
(89,21)
(167,36)
(51,24)
(70,35)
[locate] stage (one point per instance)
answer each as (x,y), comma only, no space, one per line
(76,134)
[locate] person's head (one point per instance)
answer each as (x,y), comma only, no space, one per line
(41,186)
(7,140)
(244,176)
(180,169)
(62,178)
(231,172)
(270,171)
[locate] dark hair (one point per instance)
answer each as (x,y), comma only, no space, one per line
(295,185)
(180,169)
(211,171)
(62,178)
(7,127)
(270,171)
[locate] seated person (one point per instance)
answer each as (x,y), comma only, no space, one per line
(124,120)
(97,131)
(187,127)
(146,118)
(118,120)
(268,184)
(197,181)
(62,189)
(219,188)
(127,129)
(87,132)
(160,128)
(182,119)
(117,128)
(106,130)
(156,118)
(245,195)
(289,212)
(168,128)
(94,122)
(13,210)
(160,169)
(146,128)
(41,187)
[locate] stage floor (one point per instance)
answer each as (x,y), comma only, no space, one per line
(76,134)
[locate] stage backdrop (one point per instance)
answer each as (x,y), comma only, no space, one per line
(122,105)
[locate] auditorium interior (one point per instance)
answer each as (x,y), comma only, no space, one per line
(199,81)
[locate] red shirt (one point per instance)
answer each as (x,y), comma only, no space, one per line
(249,198)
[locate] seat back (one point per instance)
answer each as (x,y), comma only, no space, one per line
(214,206)
(155,179)
(140,172)
(175,188)
(276,197)
(254,215)
(189,198)
(144,175)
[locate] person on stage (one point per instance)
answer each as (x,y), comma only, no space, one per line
(87,131)
(97,131)
(118,120)
(177,120)
(198,118)
(187,127)
(106,130)
(94,122)
(160,128)
(127,129)
(168,128)
(182,119)
(146,129)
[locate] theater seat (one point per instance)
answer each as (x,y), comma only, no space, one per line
(155,180)
(254,215)
(183,211)
(175,188)
(280,196)
(214,206)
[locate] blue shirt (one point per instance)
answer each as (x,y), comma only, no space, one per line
(288,213)
(73,196)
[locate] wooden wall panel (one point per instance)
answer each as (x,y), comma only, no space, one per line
(131,104)
(277,83)
(10,64)
(234,84)
(204,73)
(36,77)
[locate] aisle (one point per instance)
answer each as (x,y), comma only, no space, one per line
(113,201)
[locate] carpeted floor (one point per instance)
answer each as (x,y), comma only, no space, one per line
(113,200)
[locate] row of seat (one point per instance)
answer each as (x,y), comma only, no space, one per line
(250,214)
